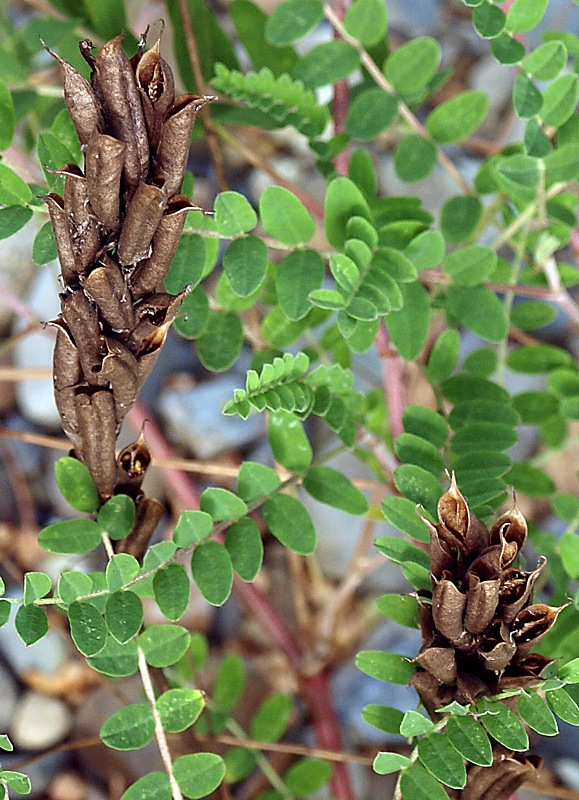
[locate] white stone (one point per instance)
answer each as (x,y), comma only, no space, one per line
(39,721)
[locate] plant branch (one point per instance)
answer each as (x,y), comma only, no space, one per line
(403,109)
(560,295)
(392,380)
(316,688)
(212,138)
(252,158)
(526,215)
(159,731)
(341,99)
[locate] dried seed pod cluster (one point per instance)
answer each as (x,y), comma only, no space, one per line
(480,626)
(117,229)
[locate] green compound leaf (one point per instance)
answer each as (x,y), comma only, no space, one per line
(198,774)
(72,585)
(285,217)
(481,362)
(560,100)
(525,14)
(458,118)
(72,536)
(44,247)
(531,314)
(233,214)
(470,739)
(503,725)
(459,218)
(418,485)
(569,672)
(409,327)
(36,585)
(239,763)
(412,449)
(163,645)
(426,250)
(245,264)
(327,63)
(193,314)
(415,724)
(414,159)
(5,743)
(343,201)
(507,50)
(188,264)
(172,589)
(401,551)
(413,65)
(538,358)
(31,624)
(220,343)
(256,480)
(444,356)
(537,714)
(288,441)
(563,705)
(292,20)
(212,572)
(386,763)
(271,720)
(306,776)
(488,20)
(130,728)
(370,113)
(87,628)
(17,781)
(480,310)
(547,61)
(290,523)
(192,527)
(154,786)
(333,488)
(7,116)
(475,436)
(245,547)
(229,683)
(117,516)
(426,423)
(180,708)
(527,99)
(121,569)
(221,504)
(13,190)
(367,21)
(384,718)
(283,100)
(534,407)
(297,275)
(569,552)
(124,615)
(442,760)
(471,265)
(402,513)
(416,783)
(116,660)
(387,667)
(12,219)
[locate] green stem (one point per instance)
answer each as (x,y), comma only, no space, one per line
(520,247)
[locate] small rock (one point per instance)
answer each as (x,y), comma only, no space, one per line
(193,418)
(36,397)
(39,721)
(9,695)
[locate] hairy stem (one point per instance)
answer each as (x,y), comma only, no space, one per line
(159,732)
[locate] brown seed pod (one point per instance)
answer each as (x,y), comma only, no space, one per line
(132,464)
(157,87)
(175,141)
(59,222)
(149,513)
(121,370)
(115,86)
(482,602)
(165,241)
(143,216)
(97,426)
(107,288)
(104,160)
(83,226)
(440,662)
(448,604)
(502,779)
(79,98)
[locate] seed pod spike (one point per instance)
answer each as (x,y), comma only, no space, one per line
(79,98)
(105,159)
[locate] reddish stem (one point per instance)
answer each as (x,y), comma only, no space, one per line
(316,688)
(341,101)
(392,380)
